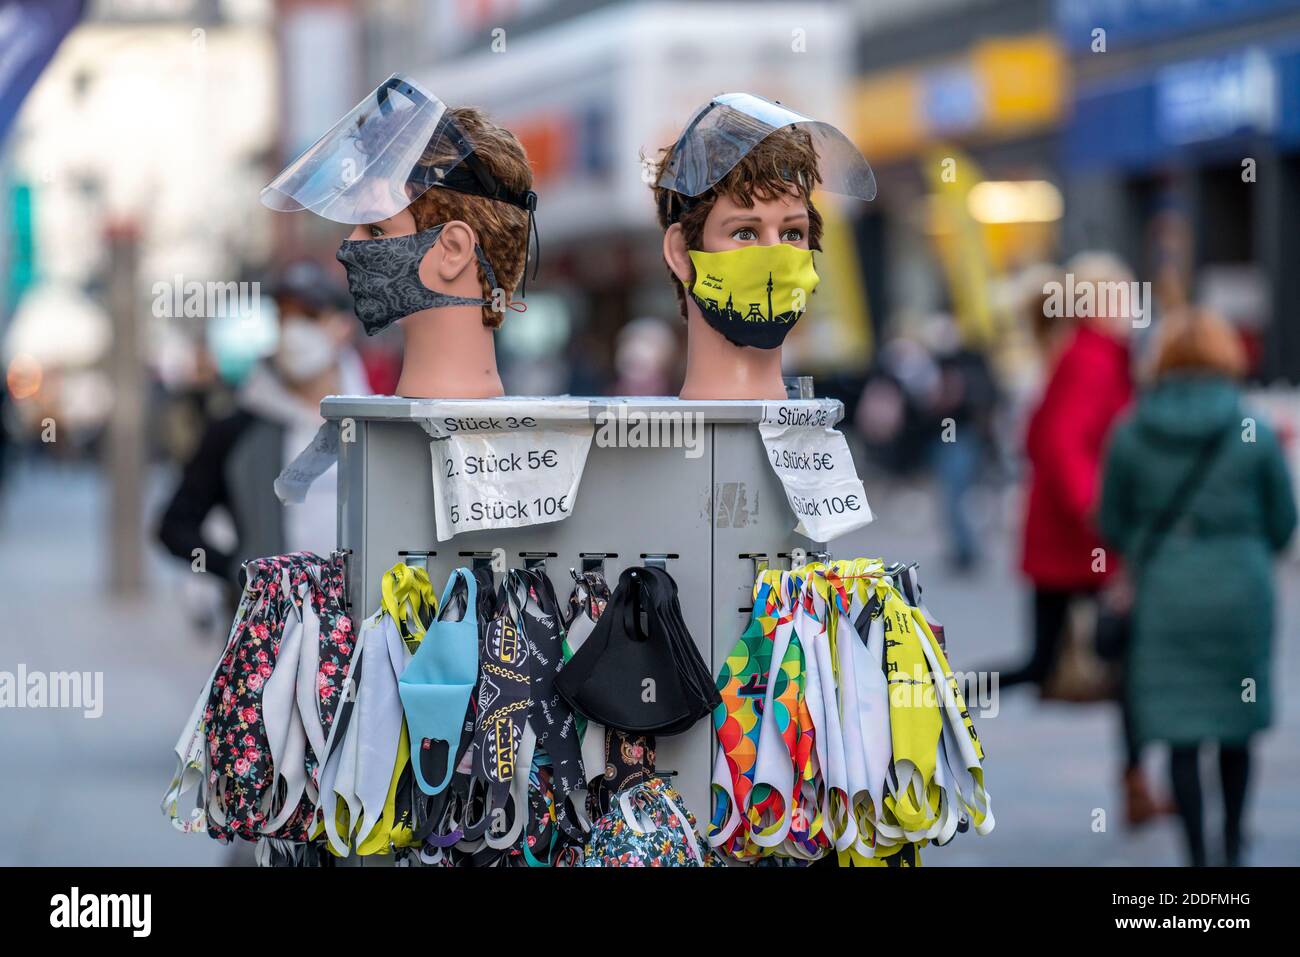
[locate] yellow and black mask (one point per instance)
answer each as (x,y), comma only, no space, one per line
(755,294)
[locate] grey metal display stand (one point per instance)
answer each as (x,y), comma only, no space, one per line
(707,514)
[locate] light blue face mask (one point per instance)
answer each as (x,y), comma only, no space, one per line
(437,684)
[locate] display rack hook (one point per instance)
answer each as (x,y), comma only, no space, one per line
(416,558)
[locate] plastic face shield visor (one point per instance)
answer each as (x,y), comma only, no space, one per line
(389,149)
(728,127)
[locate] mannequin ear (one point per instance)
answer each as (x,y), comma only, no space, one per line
(676,254)
(450,256)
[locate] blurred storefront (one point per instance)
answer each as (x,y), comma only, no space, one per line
(1183,153)
(962,127)
(146,130)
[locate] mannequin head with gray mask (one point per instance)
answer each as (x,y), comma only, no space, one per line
(440,207)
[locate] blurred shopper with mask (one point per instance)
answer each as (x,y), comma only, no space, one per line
(1197,498)
(1087,389)
(277,415)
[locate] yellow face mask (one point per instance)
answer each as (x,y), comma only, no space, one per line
(755,294)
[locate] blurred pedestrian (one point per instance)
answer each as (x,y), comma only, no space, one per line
(1049,333)
(1197,498)
(277,415)
(892,412)
(646,358)
(961,408)
(1089,386)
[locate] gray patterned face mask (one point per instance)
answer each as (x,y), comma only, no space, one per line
(384,278)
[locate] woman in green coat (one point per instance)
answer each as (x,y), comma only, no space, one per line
(1197,500)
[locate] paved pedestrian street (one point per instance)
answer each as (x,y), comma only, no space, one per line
(80,790)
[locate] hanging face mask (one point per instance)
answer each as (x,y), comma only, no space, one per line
(640,670)
(384,278)
(305,350)
(755,294)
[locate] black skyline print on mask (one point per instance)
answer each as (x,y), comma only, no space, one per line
(755,327)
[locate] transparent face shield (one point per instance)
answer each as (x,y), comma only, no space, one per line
(392,146)
(724,130)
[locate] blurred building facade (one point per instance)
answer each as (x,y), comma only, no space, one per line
(958,104)
(1183,152)
(150,127)
(1055,144)
(1003,133)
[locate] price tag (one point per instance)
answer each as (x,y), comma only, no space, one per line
(506,464)
(311,463)
(813,462)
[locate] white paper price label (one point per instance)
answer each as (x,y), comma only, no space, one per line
(311,463)
(813,462)
(506,464)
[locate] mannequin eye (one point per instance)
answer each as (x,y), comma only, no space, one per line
(744,234)
(792,236)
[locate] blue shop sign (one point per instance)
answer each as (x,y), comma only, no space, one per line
(1143,119)
(1131,22)
(952,100)
(1204,100)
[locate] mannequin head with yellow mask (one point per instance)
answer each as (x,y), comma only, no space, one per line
(734,197)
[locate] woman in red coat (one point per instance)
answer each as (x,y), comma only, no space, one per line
(1088,388)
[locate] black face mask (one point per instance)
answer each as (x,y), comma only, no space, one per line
(384,278)
(640,670)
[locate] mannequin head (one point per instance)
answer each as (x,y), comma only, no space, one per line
(443,201)
(449,351)
(500,229)
(764,200)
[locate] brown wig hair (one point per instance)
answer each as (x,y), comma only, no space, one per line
(784,160)
(501,228)
(1197,340)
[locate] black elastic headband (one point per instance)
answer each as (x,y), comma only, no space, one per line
(472,177)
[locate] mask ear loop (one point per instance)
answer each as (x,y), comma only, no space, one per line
(486,185)
(490,274)
(534,239)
